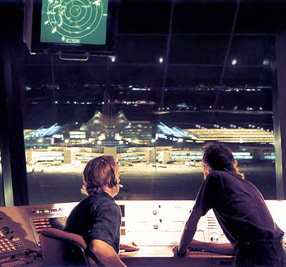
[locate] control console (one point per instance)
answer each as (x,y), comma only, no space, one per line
(149,224)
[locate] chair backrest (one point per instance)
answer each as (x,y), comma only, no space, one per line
(60,248)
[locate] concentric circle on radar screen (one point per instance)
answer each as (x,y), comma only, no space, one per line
(74,18)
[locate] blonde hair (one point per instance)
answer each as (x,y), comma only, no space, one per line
(97,173)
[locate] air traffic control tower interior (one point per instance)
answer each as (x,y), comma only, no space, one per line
(149,83)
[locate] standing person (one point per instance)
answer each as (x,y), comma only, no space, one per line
(239,207)
(97,218)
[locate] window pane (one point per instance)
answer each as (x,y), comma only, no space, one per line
(155,105)
(1,175)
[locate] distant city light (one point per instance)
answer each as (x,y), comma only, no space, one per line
(161,60)
(234,61)
(101,137)
(118,138)
(180,140)
(266,62)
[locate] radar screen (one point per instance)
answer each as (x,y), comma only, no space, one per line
(74,21)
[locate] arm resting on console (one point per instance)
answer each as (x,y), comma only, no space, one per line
(131,246)
(189,231)
(219,248)
(105,253)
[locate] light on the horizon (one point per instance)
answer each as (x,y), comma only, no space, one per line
(234,62)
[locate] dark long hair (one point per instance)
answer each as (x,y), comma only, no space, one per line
(219,157)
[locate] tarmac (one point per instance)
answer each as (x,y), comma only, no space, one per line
(141,181)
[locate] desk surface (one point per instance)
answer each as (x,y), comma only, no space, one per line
(163,256)
(166,251)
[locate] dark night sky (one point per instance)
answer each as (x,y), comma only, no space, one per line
(197,53)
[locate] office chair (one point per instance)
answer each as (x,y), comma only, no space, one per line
(60,248)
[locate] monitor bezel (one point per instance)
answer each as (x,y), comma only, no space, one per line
(36,46)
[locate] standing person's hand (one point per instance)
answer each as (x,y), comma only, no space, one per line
(179,255)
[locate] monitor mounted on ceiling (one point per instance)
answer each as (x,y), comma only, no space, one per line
(79,27)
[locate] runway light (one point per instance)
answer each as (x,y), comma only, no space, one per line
(161,60)
(180,140)
(234,61)
(112,58)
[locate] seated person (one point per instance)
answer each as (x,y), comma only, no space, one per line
(97,218)
(239,207)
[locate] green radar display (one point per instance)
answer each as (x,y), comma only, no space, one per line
(74,21)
